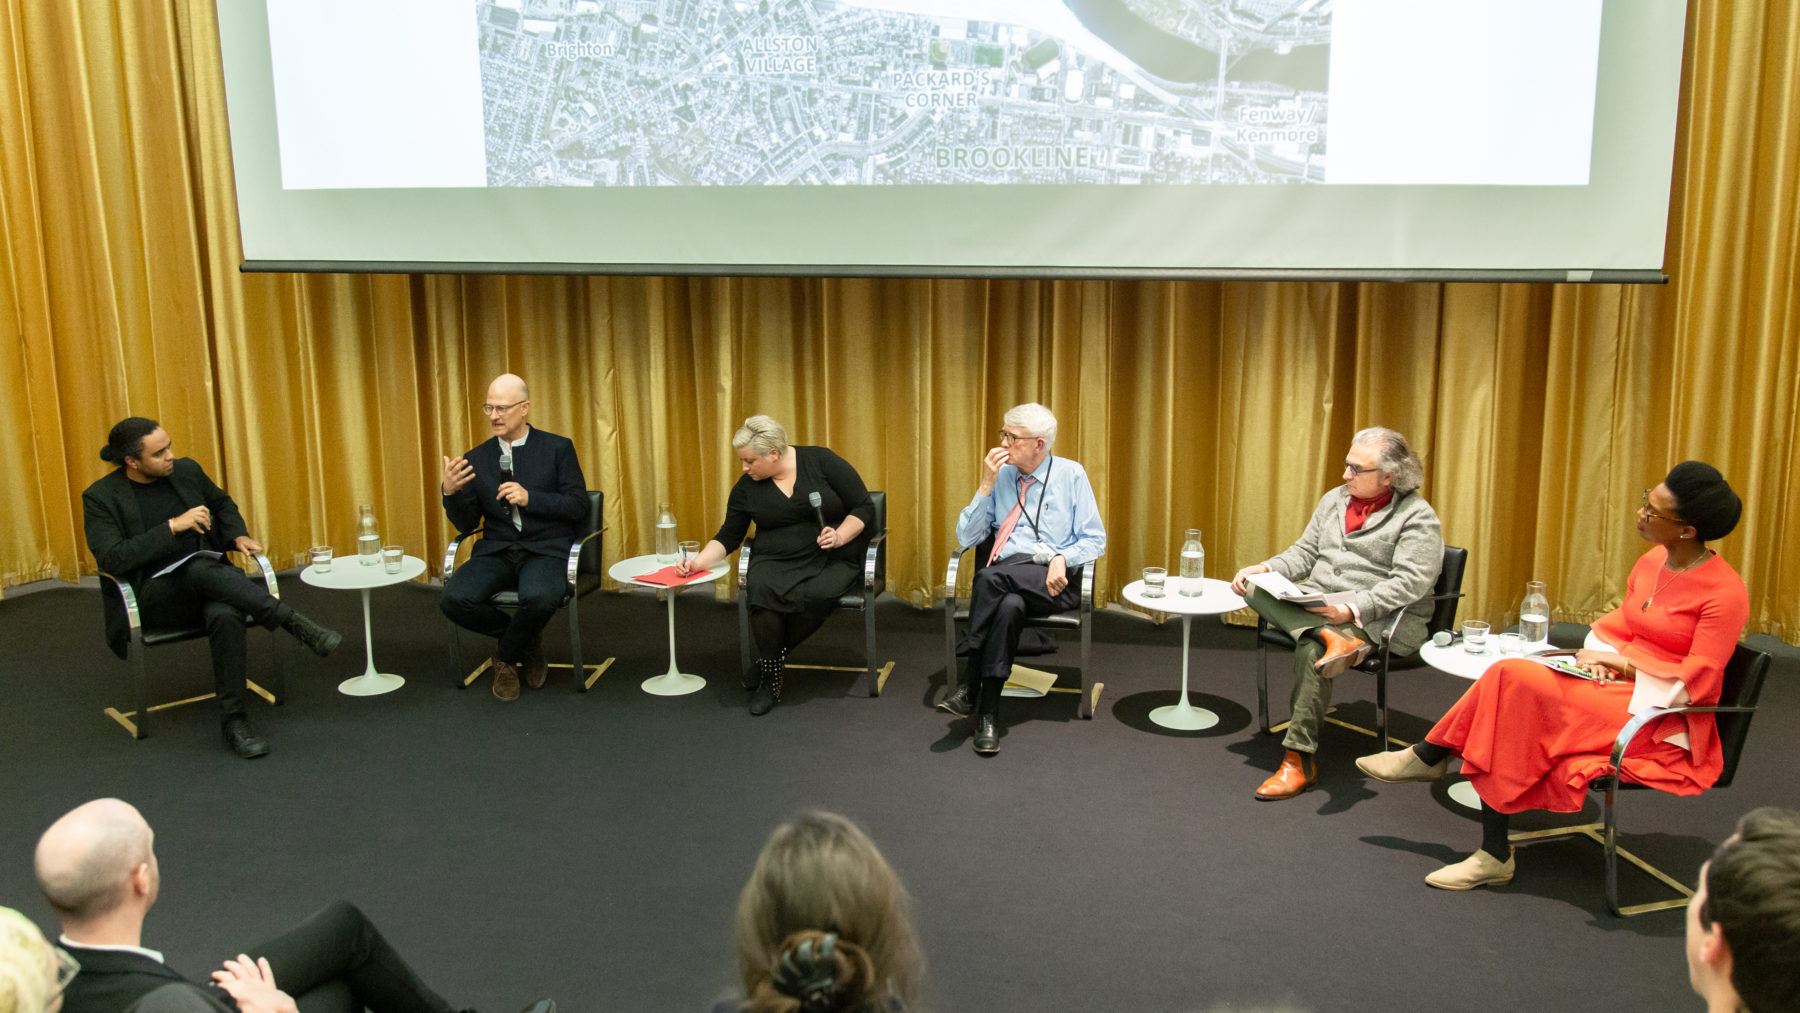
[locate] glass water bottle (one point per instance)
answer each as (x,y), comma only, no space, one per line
(368,538)
(1193,564)
(1534,616)
(665,533)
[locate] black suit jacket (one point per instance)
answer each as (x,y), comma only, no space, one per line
(111,980)
(125,545)
(547,468)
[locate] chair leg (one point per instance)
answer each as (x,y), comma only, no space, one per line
(1086,709)
(1262,686)
(870,661)
(950,679)
(139,691)
(575,644)
(1611,846)
(745,655)
(1381,708)
(278,673)
(456,666)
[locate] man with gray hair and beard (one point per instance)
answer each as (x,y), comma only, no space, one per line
(97,867)
(1374,537)
(1046,526)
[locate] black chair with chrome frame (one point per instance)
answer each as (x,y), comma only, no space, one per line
(1739,691)
(860,599)
(1445,593)
(1079,620)
(583,579)
(143,638)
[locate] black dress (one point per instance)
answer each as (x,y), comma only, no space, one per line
(788,571)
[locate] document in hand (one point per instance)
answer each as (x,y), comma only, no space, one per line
(1564,663)
(1288,591)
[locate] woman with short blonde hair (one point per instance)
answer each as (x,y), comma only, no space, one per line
(807,555)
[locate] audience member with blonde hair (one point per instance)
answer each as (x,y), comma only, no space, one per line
(32,972)
(807,555)
(825,926)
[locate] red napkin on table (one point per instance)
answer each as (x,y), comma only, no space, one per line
(668,576)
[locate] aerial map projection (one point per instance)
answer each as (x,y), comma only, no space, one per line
(895,92)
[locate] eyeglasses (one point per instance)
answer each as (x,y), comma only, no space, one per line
(491,410)
(1354,470)
(1650,511)
(1006,437)
(67,967)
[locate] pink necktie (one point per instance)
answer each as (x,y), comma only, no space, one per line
(1012,519)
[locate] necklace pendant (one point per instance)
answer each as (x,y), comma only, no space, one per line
(1645,607)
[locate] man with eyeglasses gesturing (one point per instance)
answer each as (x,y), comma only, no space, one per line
(1373,540)
(1046,526)
(525,488)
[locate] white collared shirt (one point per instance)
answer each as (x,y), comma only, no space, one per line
(69,944)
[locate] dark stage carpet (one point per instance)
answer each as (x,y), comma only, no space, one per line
(591,847)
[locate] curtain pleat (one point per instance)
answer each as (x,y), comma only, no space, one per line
(1541,411)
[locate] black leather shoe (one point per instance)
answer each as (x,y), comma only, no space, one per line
(764,700)
(318,639)
(243,739)
(987,735)
(958,703)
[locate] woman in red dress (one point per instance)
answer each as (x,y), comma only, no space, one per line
(1532,738)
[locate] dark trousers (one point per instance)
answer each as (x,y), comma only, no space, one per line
(1005,594)
(217,595)
(775,632)
(541,582)
(338,962)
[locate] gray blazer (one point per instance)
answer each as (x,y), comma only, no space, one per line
(1390,562)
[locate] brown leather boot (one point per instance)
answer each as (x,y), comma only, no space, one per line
(1296,774)
(506,680)
(536,668)
(1340,653)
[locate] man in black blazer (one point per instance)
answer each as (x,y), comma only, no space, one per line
(524,487)
(97,867)
(145,522)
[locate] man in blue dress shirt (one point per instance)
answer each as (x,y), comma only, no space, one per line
(1046,526)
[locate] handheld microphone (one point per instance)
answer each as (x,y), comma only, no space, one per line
(815,499)
(1442,638)
(506,465)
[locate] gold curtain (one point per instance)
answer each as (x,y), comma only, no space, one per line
(1541,410)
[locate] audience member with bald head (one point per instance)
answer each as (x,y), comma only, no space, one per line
(525,491)
(97,868)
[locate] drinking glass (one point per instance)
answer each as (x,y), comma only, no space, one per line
(1154,576)
(392,556)
(1475,634)
(321,558)
(687,550)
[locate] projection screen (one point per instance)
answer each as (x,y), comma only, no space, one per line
(1065,138)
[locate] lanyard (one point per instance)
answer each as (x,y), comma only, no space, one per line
(1043,493)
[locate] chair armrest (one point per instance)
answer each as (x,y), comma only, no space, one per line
(950,571)
(124,591)
(455,545)
(1638,721)
(1087,587)
(743,568)
(575,551)
(870,560)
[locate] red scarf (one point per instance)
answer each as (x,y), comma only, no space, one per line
(1359,509)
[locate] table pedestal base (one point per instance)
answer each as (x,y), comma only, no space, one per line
(1184,717)
(371,684)
(673,683)
(1463,793)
